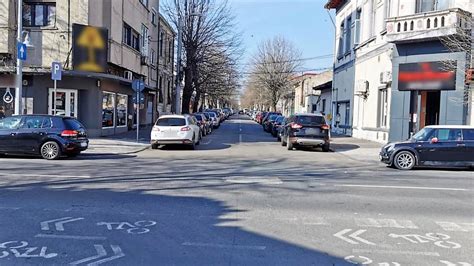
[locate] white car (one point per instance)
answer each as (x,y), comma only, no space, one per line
(176,129)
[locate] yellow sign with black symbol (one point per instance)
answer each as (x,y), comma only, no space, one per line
(89,48)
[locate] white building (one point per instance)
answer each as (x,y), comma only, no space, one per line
(307,98)
(378,39)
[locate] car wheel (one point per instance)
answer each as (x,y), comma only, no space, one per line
(326,147)
(154,146)
(404,160)
(199,139)
(289,145)
(50,150)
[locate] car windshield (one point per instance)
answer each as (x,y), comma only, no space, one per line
(171,122)
(279,119)
(273,117)
(423,135)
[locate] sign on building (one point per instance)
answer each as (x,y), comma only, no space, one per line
(427,76)
(89,48)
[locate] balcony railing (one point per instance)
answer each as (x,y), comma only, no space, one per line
(430,25)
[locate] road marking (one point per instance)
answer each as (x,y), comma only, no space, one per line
(136,228)
(58,223)
(55,176)
(461,263)
(403,187)
(254,180)
(212,245)
(385,223)
(71,237)
(101,252)
(435,238)
(397,252)
(23,251)
(456,227)
(354,236)
(304,221)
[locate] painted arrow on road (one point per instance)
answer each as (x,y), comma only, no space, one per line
(353,238)
(58,223)
(101,253)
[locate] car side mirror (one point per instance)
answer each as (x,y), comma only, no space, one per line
(434,140)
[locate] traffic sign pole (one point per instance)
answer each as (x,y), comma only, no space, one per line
(138,114)
(56,74)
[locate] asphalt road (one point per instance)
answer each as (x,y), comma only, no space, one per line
(240,199)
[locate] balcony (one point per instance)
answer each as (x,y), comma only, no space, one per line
(427,26)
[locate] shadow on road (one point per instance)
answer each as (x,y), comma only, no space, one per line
(189,230)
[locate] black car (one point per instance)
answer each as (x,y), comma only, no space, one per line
(276,125)
(268,116)
(47,136)
(447,146)
(306,130)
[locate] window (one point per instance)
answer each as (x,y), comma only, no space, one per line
(314,108)
(122,110)
(169,92)
(170,50)
(373,15)
(144,2)
(72,124)
(348,37)
(153,57)
(144,40)
(446,134)
(357,26)
(340,51)
(39,14)
(387,11)
(432,5)
(383,108)
(171,122)
(162,37)
(153,17)
(10,122)
(160,98)
(468,134)
(33,122)
(131,37)
(323,108)
(108,109)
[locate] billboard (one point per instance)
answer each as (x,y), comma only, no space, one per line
(89,48)
(427,76)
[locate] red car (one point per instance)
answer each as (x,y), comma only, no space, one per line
(259,117)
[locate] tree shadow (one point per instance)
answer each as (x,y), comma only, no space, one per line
(188,230)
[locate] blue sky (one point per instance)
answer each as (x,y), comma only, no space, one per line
(304,22)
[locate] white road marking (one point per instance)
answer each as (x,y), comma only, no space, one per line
(71,237)
(456,227)
(51,175)
(58,223)
(403,187)
(254,180)
(385,223)
(212,245)
(118,254)
(354,236)
(461,263)
(397,252)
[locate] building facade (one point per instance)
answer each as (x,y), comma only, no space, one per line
(69,32)
(166,79)
(376,40)
(307,98)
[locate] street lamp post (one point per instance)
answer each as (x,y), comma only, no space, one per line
(178,64)
(19,63)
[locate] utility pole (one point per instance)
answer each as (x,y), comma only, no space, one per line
(19,62)
(178,65)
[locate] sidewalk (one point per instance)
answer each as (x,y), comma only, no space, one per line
(356,149)
(120,144)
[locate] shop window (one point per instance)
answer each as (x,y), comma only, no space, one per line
(39,14)
(383,108)
(122,110)
(108,109)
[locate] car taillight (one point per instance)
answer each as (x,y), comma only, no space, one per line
(296,126)
(326,127)
(157,129)
(185,129)
(69,133)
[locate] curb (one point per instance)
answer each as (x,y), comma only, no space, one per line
(122,153)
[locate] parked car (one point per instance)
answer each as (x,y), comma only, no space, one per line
(260,117)
(447,146)
(207,122)
(281,129)
(202,123)
(267,117)
(47,136)
(276,125)
(176,129)
(306,130)
(268,122)
(214,119)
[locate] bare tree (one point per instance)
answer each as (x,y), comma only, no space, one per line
(275,63)
(207,25)
(462,41)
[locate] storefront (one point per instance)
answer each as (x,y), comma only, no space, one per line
(103,103)
(428,88)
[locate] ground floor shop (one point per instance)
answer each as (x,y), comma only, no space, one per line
(428,88)
(103,103)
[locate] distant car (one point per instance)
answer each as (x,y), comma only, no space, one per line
(268,123)
(267,117)
(260,117)
(202,123)
(446,146)
(176,129)
(215,120)
(47,136)
(306,130)
(281,129)
(207,123)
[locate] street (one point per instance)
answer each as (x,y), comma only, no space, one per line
(239,199)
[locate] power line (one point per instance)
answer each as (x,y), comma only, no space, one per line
(326,56)
(287,72)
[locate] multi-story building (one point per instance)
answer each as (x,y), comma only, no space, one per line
(376,40)
(102,45)
(166,66)
(307,98)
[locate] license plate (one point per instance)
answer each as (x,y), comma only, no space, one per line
(312,131)
(83,144)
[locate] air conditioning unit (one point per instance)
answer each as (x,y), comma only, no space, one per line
(362,86)
(143,60)
(128,75)
(385,77)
